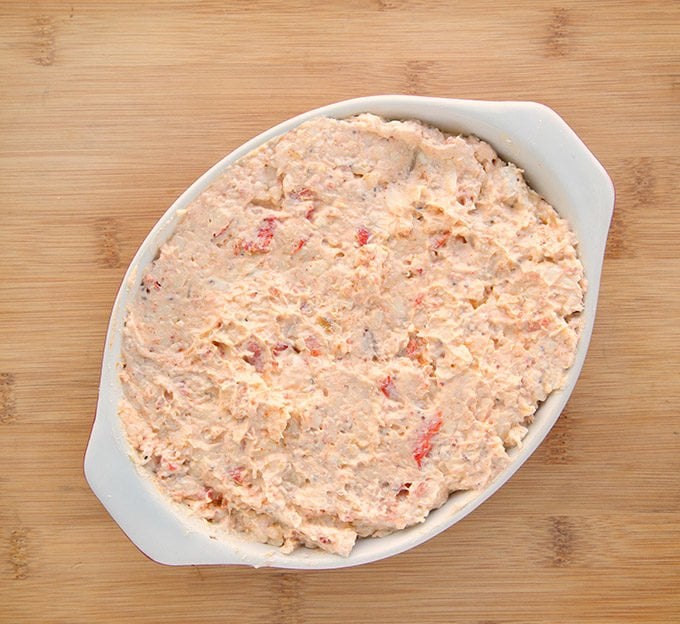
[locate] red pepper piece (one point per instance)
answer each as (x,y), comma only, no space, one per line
(441,240)
(266,232)
(414,348)
(388,388)
(302,194)
(279,347)
(536,325)
(263,239)
(424,444)
(362,236)
(236,474)
(300,245)
(255,359)
(214,497)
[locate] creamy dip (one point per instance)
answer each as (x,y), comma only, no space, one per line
(354,321)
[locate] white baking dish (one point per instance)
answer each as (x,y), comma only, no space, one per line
(557,164)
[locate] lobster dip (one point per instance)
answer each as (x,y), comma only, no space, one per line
(355,320)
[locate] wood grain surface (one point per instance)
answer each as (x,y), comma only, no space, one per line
(109,109)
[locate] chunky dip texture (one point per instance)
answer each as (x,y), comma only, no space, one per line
(355,320)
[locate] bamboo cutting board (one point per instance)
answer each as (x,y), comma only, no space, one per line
(109,110)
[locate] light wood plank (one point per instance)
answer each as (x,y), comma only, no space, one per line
(109,110)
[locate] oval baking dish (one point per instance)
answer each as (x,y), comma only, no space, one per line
(556,164)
